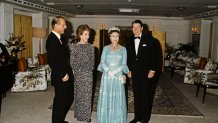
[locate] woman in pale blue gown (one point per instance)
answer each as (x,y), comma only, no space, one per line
(112,100)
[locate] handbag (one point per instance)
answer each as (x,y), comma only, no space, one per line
(122,79)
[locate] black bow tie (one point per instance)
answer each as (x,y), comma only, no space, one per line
(136,37)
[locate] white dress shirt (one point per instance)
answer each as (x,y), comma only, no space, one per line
(137,41)
(58,35)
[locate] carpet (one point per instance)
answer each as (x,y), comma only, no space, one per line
(168,99)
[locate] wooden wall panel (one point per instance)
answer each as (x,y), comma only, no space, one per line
(161,36)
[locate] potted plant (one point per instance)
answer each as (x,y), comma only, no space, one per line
(186,48)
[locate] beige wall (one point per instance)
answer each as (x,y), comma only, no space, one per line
(177,30)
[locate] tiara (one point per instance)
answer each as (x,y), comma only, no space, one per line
(113,29)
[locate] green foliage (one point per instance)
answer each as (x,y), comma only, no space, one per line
(187,48)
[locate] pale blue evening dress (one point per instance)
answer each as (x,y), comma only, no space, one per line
(112,100)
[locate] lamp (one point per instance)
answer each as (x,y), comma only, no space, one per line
(39,32)
(154,28)
(195,29)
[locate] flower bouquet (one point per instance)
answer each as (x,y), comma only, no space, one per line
(15,43)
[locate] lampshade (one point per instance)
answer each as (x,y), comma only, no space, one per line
(39,32)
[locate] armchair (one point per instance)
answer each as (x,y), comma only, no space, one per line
(202,66)
(32,78)
(205,78)
(210,82)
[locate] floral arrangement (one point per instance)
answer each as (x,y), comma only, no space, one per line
(15,43)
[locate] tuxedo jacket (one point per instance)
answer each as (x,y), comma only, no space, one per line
(146,58)
(58,59)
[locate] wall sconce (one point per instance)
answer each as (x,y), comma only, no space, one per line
(195,29)
(154,28)
(102,26)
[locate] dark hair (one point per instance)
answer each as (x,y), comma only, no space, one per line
(80,29)
(137,21)
(56,20)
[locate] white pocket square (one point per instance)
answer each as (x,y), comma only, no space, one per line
(144,45)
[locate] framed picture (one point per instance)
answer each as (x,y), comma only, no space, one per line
(196,39)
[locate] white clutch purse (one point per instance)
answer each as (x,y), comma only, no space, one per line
(122,79)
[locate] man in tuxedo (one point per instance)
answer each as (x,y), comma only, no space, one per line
(61,72)
(142,61)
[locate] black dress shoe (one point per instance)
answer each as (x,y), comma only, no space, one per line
(135,121)
(65,122)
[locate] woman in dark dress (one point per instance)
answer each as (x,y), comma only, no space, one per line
(82,63)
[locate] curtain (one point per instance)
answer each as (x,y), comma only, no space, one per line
(23,27)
